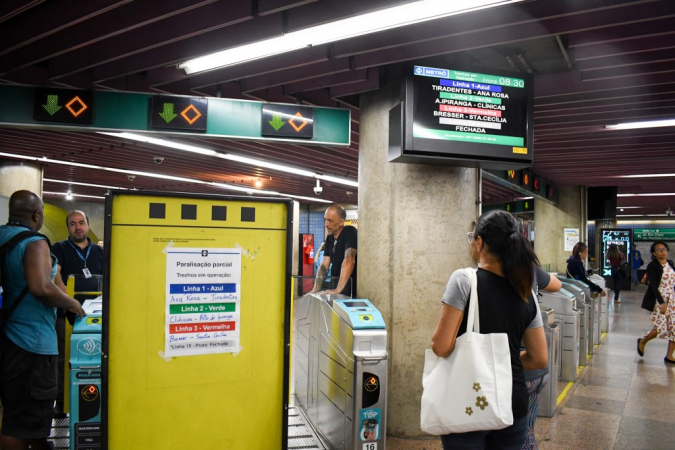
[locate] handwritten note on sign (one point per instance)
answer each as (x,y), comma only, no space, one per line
(203,293)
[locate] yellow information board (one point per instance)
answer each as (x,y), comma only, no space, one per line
(234,399)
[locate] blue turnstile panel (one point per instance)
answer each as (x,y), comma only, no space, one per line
(359,313)
(85,382)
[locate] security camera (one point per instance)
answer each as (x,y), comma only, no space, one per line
(131,177)
(669,212)
(158,159)
(318,189)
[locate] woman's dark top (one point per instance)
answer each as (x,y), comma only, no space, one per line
(654,274)
(503,311)
(575,268)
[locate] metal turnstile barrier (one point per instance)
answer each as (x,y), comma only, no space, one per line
(548,396)
(585,320)
(604,304)
(566,316)
(340,369)
(593,299)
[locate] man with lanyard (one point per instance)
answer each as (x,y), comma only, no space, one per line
(76,256)
(28,350)
(339,254)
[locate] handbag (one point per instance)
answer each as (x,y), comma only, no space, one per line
(470,389)
(624,268)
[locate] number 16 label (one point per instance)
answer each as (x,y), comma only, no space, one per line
(370,446)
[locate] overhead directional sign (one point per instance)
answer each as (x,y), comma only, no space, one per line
(63,105)
(178,113)
(287,121)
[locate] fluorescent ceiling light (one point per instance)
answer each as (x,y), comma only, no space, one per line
(152,175)
(646,124)
(642,215)
(662,194)
(629,207)
(237,158)
(398,16)
(70,194)
(650,175)
(82,184)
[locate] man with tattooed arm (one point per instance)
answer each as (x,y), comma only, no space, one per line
(340,251)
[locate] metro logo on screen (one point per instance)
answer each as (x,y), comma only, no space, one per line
(63,105)
(178,113)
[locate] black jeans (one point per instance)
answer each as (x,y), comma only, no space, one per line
(617,276)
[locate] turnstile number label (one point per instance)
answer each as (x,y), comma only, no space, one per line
(370,446)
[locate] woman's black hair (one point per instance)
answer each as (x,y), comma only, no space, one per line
(501,232)
(578,248)
(613,251)
(651,249)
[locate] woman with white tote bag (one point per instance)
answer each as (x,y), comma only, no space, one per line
(504,282)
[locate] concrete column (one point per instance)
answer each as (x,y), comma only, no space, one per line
(15,176)
(413,221)
(550,222)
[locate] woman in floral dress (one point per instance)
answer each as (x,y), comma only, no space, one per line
(660,300)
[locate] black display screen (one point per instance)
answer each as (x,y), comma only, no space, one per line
(64,105)
(178,113)
(467,116)
(356,304)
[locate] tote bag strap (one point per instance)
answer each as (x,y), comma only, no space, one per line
(472,319)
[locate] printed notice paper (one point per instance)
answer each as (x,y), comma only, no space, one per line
(203,293)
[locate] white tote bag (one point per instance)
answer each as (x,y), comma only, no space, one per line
(470,390)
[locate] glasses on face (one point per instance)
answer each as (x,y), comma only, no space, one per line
(469,236)
(661,249)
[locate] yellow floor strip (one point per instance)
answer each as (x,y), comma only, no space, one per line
(564,392)
(602,336)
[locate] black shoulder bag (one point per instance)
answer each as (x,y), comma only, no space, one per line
(5,313)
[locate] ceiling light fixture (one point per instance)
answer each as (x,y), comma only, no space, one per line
(649,175)
(662,194)
(231,157)
(146,174)
(645,124)
(70,195)
(82,184)
(384,19)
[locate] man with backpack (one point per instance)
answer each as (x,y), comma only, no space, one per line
(28,350)
(637,263)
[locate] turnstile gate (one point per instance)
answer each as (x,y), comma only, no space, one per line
(548,396)
(592,298)
(604,304)
(566,316)
(585,320)
(340,367)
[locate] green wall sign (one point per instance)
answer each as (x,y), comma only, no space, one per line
(123,111)
(653,234)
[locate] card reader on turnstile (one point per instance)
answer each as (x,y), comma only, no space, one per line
(85,378)
(341,370)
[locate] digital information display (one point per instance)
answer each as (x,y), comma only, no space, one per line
(623,239)
(63,105)
(178,113)
(287,121)
(469,116)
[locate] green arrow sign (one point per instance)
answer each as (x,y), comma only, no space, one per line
(168,114)
(52,105)
(276,122)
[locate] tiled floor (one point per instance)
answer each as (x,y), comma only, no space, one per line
(621,401)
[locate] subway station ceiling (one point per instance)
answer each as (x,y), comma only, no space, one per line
(595,63)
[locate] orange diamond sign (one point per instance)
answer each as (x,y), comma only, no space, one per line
(81,109)
(187,118)
(298,128)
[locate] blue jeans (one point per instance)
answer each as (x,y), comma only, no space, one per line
(509,438)
(634,277)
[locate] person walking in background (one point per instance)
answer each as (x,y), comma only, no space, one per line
(505,279)
(660,300)
(339,254)
(637,263)
(576,270)
(615,258)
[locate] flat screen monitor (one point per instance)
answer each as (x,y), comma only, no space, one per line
(478,118)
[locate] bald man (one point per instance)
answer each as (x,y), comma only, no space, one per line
(340,251)
(28,350)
